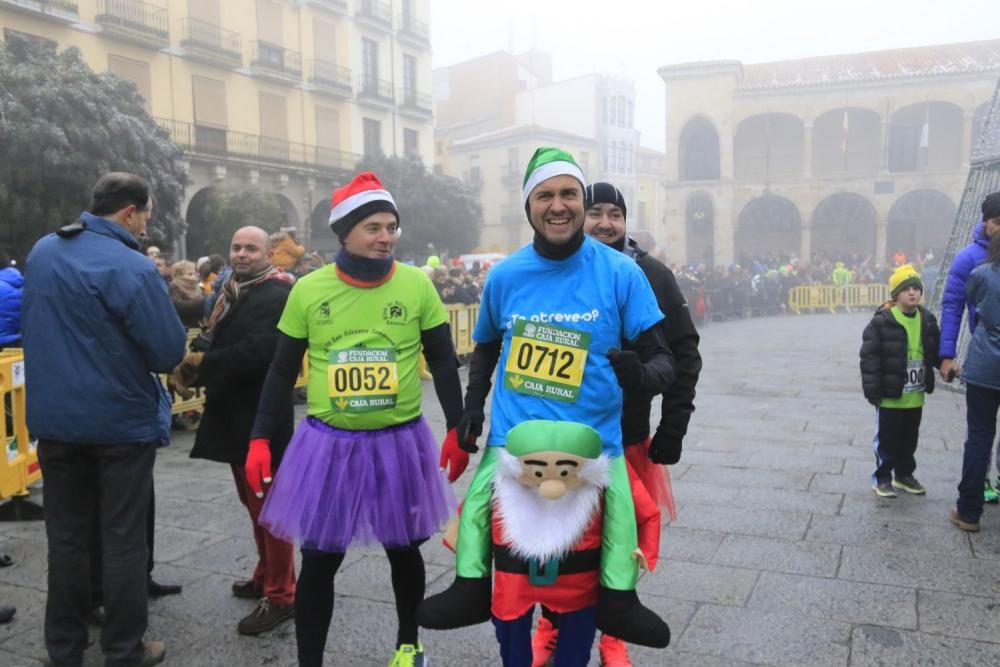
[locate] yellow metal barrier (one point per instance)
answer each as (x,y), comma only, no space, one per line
(197,401)
(19,466)
(831,297)
(462,320)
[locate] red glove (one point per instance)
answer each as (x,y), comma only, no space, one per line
(453,456)
(258,465)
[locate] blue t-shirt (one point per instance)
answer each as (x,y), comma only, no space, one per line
(598,297)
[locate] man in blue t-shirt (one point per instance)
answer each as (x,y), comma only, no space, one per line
(552,317)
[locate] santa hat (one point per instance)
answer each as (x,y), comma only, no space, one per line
(604,193)
(546,163)
(357,200)
(543,435)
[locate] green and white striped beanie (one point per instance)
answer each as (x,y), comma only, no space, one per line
(546,163)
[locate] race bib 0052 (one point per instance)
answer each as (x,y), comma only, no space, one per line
(363,379)
(546,361)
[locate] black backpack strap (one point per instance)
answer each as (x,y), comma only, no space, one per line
(72,229)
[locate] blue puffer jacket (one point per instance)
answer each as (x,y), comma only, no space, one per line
(982,364)
(953,299)
(98,324)
(11,286)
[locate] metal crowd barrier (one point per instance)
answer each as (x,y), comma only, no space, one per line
(19,466)
(197,401)
(462,320)
(831,297)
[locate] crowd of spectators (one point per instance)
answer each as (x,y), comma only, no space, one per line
(758,286)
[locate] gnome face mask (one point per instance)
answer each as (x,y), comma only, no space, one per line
(555,208)
(545,500)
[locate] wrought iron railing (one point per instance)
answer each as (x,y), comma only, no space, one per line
(277,58)
(412,99)
(330,74)
(220,142)
(414,28)
(380,12)
(376,88)
(204,35)
(135,15)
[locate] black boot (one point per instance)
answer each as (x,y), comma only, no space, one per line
(621,615)
(465,602)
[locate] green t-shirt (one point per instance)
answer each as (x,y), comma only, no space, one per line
(364,345)
(913,387)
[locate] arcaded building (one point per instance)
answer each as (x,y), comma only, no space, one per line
(853,154)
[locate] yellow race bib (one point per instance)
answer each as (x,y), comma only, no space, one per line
(546,361)
(363,379)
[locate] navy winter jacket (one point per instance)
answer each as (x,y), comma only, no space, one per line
(953,299)
(982,363)
(98,325)
(11,286)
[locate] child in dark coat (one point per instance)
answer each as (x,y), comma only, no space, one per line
(898,355)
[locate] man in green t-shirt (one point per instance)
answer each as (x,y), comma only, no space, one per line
(898,357)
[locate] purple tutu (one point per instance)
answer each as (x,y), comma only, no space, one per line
(335,487)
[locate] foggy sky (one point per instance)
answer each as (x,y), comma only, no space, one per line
(635,37)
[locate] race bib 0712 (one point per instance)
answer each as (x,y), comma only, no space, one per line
(363,379)
(546,361)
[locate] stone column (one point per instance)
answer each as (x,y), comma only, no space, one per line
(805,247)
(807,150)
(881,238)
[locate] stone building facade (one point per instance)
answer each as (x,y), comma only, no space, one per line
(862,154)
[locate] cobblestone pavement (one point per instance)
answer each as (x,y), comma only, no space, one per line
(781,554)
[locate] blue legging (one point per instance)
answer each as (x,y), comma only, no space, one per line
(576,636)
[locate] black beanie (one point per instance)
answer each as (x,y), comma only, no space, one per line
(604,193)
(991,206)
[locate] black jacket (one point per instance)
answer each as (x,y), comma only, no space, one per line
(233,371)
(883,354)
(682,339)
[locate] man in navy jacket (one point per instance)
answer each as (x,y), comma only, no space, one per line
(98,326)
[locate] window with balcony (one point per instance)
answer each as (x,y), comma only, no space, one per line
(210,113)
(369,64)
(372,136)
(411,143)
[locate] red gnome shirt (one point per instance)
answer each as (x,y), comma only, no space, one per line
(519,584)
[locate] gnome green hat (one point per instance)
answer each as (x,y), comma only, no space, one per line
(546,163)
(543,435)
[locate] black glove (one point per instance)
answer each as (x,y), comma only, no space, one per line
(664,449)
(470,427)
(627,367)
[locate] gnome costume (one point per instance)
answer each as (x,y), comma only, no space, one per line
(546,299)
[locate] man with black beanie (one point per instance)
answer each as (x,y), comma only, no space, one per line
(605,221)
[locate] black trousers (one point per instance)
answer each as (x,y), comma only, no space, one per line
(97,560)
(109,486)
(896,442)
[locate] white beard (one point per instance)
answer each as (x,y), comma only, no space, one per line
(536,527)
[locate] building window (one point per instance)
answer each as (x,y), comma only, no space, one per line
(135,71)
(8,32)
(475,174)
(372,130)
(409,79)
(411,142)
(513,161)
(369,64)
(210,114)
